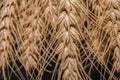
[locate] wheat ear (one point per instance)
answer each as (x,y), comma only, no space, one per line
(113,18)
(31,26)
(68,22)
(107,13)
(49,17)
(8,34)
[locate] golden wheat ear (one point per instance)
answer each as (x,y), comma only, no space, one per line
(32,27)
(70,26)
(107,32)
(8,33)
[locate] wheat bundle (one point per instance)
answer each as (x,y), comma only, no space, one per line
(62,39)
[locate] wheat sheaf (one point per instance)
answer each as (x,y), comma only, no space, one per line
(59,39)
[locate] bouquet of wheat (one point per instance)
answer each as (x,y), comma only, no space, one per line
(61,39)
